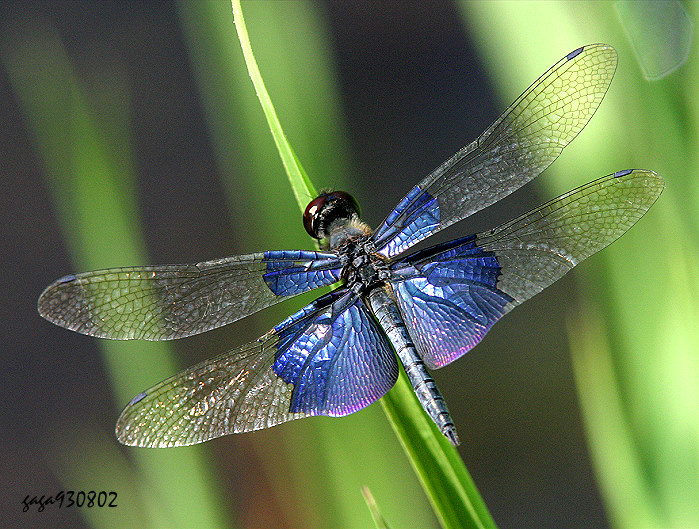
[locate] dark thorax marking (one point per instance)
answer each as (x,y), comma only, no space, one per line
(362,267)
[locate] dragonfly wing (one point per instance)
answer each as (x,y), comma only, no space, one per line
(449,299)
(330,358)
(541,246)
(521,143)
(173,301)
(453,293)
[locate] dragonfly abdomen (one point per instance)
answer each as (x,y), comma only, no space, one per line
(425,387)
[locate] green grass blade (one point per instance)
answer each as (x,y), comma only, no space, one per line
(249,169)
(379,521)
(300,183)
(250,172)
(447,483)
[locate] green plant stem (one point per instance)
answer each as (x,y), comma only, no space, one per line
(300,183)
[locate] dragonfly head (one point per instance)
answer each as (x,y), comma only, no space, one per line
(333,215)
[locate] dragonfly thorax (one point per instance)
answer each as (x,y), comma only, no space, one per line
(363,267)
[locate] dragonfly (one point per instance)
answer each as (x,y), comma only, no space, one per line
(390,304)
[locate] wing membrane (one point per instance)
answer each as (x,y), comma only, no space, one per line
(521,143)
(453,293)
(449,299)
(173,301)
(327,359)
(541,246)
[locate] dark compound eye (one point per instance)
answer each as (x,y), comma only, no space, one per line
(327,208)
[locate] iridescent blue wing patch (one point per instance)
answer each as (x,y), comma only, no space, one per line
(521,143)
(416,217)
(173,301)
(448,298)
(450,295)
(330,358)
(335,355)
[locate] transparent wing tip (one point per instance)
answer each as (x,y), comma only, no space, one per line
(652,179)
(47,303)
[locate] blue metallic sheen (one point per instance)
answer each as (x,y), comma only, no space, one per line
(138,398)
(573,54)
(294,272)
(413,219)
(623,172)
(335,356)
(449,297)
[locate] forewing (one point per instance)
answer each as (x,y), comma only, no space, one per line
(173,301)
(521,143)
(329,358)
(453,293)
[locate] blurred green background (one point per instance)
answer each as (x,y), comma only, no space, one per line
(131,135)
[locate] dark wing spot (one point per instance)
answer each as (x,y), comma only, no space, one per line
(622,173)
(575,53)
